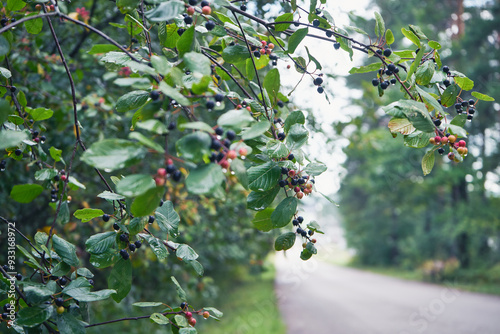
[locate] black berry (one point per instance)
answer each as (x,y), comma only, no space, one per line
(176,176)
(204,3)
(329,33)
(219,131)
(116,226)
(5,267)
(180,31)
(13,89)
(18,152)
(151,219)
(316,23)
(193,2)
(393,81)
(299,230)
(219,97)
(131,247)
(172,125)
(291,156)
(124,254)
(138,244)
(384,84)
(171,168)
(320,89)
(318,81)
(437,122)
(105,217)
(446,82)
(282,183)
(472,110)
(155,95)
(295,222)
(281,136)
(188,20)
(300,219)
(19,277)
(210,104)
(123,237)
(375,82)
(336,45)
(387,52)
(63,280)
(6,307)
(184,306)
(210,25)
(471,102)
(280,104)
(441,150)
(243,7)
(230,135)
(446,69)
(59,301)
(391,67)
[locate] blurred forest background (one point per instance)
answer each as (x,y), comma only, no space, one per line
(445,225)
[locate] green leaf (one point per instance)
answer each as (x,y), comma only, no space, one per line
(185,253)
(173,93)
(4,46)
(154,126)
(315,168)
(239,169)
(100,243)
(430,99)
(120,279)
(235,53)
(435,45)
(45,174)
(144,204)
(262,220)
(477,95)
(79,289)
(365,69)
(300,64)
(86,215)
(185,42)
(417,31)
(204,179)
(314,226)
(197,63)
(272,82)
(263,177)
(132,100)
(259,200)
(285,241)
(329,199)
(137,225)
(449,96)
(389,36)
(14,5)
(34,315)
(33,26)
(111,196)
(428,162)
(418,139)
(416,63)
(180,292)
(457,130)
(167,218)
(194,146)
(5,111)
(25,193)
(55,153)
(147,304)
(256,130)
(379,25)
(276,149)
(400,125)
(411,36)
(305,254)
(459,120)
(424,73)
(11,138)
(112,154)
(135,185)
(105,259)
(295,117)
(314,60)
(283,18)
(146,141)
(297,136)
(102,48)
(235,119)
(159,318)
(67,323)
(165,11)
(296,38)
(284,212)
(156,245)
(464,83)
(414,111)
(66,250)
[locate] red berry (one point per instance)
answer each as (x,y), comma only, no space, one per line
(190,10)
(170,162)
(462,143)
(192,321)
(243,151)
(300,195)
(64,178)
(206,10)
(444,140)
(206,314)
(451,156)
(271,46)
(224,164)
(36,140)
(296,189)
(264,43)
(38,7)
(239,106)
(262,51)
(291,173)
(161,172)
(437,139)
(231,154)
(452,139)
(288,66)
(189,315)
(160,181)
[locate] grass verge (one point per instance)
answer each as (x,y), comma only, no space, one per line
(249,307)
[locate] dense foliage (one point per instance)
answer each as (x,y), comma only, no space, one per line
(448,224)
(135,122)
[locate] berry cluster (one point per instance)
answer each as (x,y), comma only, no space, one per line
(388,71)
(301,231)
(170,171)
(222,154)
(300,183)
(451,142)
(318,81)
(265,49)
(466,106)
(189,315)
(124,237)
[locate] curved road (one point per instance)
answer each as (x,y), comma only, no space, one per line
(319,298)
